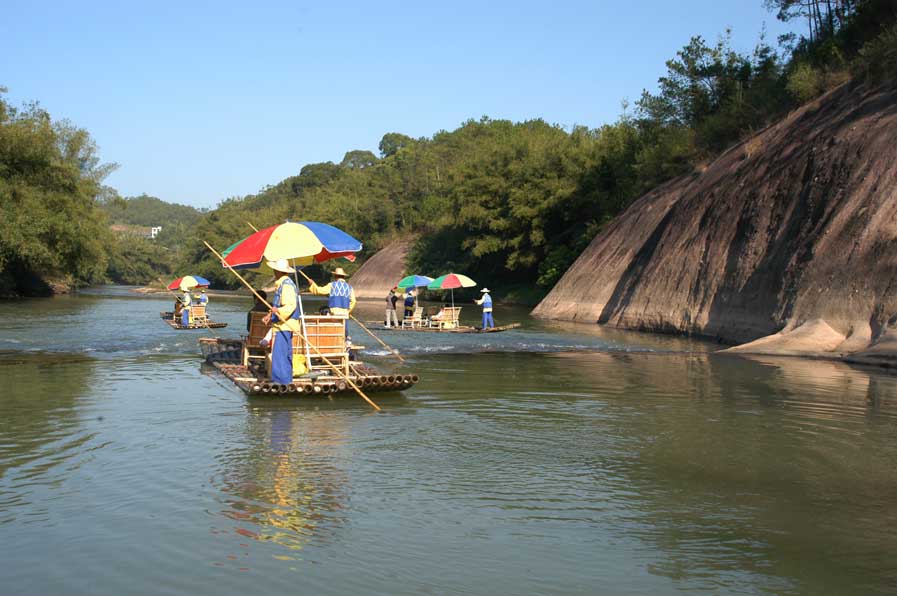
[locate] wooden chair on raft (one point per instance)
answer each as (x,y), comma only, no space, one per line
(328,335)
(416,319)
(446,318)
(257,330)
(198,314)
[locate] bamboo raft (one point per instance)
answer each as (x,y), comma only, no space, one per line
(458,329)
(202,323)
(362,375)
(244,361)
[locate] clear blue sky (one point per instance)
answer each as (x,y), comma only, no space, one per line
(200,101)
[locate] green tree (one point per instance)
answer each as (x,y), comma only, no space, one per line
(392,142)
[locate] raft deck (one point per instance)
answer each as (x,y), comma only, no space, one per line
(244,361)
(365,377)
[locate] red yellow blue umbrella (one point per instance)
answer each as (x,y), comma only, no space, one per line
(188,282)
(301,243)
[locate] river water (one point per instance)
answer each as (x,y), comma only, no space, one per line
(552,459)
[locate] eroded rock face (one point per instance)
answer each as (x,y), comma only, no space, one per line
(382,271)
(798,223)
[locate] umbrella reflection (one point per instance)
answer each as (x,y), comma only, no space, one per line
(285,488)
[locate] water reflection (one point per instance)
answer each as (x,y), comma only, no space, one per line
(284,483)
(41,438)
(758,472)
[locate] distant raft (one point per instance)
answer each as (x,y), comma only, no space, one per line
(195,323)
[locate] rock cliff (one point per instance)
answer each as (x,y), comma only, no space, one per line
(792,233)
(382,271)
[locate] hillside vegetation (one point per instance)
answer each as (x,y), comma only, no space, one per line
(514,203)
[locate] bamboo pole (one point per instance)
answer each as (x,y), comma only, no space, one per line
(305,339)
(360,324)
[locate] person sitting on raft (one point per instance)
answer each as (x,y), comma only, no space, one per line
(284,319)
(259,306)
(185,308)
(486,301)
(341,299)
(203,299)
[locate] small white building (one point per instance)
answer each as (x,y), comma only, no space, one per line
(155,230)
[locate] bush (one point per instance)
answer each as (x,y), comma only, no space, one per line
(805,83)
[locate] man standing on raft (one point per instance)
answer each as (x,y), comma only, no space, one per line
(186,302)
(486,301)
(284,318)
(341,299)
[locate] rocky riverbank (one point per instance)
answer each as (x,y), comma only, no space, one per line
(790,236)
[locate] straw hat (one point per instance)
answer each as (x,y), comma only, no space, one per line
(281,265)
(484,291)
(338,272)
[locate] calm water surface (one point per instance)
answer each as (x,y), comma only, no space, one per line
(553,459)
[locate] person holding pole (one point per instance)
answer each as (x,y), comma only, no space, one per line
(186,301)
(486,301)
(341,299)
(284,319)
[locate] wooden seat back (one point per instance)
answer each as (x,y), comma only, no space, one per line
(197,312)
(416,318)
(448,313)
(327,333)
(257,329)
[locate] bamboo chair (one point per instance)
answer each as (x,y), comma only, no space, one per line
(416,319)
(257,330)
(198,314)
(328,335)
(447,318)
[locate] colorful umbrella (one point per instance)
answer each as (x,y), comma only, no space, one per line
(415,281)
(450,281)
(302,243)
(188,282)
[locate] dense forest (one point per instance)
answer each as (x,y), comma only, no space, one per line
(499,200)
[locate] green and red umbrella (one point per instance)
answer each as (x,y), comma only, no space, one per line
(414,281)
(450,281)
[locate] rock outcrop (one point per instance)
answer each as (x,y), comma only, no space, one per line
(382,271)
(791,233)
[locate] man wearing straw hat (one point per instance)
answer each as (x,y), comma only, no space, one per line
(486,301)
(186,302)
(341,299)
(284,320)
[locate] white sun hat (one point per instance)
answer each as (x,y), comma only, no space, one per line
(484,290)
(281,265)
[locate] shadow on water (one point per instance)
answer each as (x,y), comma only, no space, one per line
(40,430)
